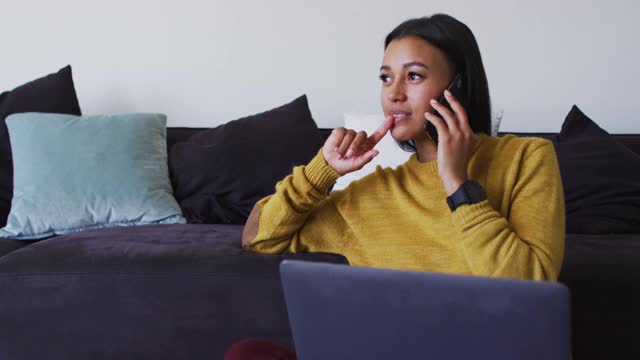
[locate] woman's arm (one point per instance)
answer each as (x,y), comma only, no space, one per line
(298,216)
(529,244)
(251,227)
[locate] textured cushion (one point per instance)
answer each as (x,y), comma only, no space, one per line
(602,272)
(74,173)
(601,178)
(219,174)
(145,292)
(53,94)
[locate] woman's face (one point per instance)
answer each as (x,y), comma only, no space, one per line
(412,73)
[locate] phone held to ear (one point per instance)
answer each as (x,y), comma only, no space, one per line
(457,90)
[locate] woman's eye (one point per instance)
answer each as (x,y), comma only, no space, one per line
(415,76)
(384,78)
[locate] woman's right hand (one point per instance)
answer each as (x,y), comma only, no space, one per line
(347,150)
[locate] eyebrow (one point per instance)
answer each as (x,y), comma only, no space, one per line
(409,64)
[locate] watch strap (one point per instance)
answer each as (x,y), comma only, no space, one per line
(470,192)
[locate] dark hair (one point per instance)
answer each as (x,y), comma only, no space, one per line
(459,45)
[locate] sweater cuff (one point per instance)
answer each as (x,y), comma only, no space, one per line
(320,174)
(466,215)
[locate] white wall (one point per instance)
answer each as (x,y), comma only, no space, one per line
(207,62)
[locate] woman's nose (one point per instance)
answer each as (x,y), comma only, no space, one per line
(397,92)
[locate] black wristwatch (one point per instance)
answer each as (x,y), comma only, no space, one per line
(470,192)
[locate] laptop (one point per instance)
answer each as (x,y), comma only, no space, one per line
(342,312)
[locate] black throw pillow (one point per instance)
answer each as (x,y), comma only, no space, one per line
(53,93)
(219,174)
(601,178)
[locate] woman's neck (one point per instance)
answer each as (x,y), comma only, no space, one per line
(426,149)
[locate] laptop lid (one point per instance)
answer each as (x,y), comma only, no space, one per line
(343,312)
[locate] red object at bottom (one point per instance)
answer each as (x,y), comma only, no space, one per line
(254,349)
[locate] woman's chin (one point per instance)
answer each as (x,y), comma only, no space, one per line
(401,133)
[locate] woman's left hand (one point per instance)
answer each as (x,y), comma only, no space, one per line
(455,142)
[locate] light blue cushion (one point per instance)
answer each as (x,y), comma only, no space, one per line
(82,172)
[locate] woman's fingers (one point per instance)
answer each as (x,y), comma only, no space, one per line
(335,139)
(342,141)
(361,160)
(447,116)
(364,143)
(441,127)
(461,113)
(346,150)
(346,142)
(381,131)
(356,144)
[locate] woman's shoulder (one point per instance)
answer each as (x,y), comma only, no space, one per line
(507,154)
(516,145)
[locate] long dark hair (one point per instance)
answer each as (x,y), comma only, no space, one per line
(459,45)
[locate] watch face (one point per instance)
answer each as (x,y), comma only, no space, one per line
(469,193)
(474,191)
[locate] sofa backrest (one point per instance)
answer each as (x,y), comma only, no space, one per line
(632,141)
(178,134)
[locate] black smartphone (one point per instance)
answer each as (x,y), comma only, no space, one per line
(457,89)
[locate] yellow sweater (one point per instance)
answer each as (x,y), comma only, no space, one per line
(400,219)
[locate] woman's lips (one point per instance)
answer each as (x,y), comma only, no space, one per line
(398,117)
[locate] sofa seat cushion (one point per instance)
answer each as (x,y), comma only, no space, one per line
(181,291)
(166,248)
(10,245)
(603,273)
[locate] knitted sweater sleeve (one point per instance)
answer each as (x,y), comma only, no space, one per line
(529,242)
(299,216)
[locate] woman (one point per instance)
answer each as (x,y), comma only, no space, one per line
(467,203)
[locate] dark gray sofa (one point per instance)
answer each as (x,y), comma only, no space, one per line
(603,274)
(189,291)
(148,292)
